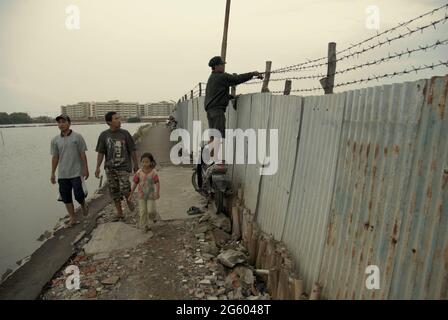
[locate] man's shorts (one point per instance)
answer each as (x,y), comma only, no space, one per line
(118,182)
(217,120)
(65,190)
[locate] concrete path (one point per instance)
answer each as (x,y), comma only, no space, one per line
(177,193)
(157,141)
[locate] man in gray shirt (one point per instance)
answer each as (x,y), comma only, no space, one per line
(118,147)
(68,150)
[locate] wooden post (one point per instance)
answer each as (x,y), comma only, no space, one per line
(253,245)
(287,90)
(315,293)
(283,292)
(236,231)
(297,286)
(261,256)
(270,254)
(200,89)
(240,193)
(267,76)
(273,282)
(186,98)
(327,83)
(224,35)
(191,94)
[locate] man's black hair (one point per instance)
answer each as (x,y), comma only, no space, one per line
(109,116)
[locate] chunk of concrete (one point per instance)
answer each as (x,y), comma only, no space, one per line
(108,237)
(230,258)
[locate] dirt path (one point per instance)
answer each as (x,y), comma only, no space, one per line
(178,260)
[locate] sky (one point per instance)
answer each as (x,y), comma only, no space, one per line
(152,50)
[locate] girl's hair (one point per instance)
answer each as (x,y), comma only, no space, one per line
(150,157)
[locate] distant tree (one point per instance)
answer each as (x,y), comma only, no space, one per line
(20,117)
(43,119)
(134,119)
(4,118)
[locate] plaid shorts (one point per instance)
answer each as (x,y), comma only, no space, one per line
(118,182)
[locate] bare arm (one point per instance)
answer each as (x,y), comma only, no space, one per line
(99,161)
(134,158)
(85,165)
(54,165)
(158,189)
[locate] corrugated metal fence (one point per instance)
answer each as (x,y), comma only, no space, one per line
(362,180)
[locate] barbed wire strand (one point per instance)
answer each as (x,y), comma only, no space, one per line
(371,78)
(400,25)
(398,55)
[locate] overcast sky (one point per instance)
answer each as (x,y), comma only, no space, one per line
(151,50)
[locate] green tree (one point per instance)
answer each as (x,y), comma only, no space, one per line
(4,118)
(43,119)
(20,117)
(133,119)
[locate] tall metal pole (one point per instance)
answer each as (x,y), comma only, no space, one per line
(224,36)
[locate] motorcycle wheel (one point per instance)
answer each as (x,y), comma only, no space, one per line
(219,202)
(194,181)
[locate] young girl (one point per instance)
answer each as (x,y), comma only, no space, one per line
(148,184)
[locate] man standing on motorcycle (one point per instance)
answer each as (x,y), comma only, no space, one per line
(217,98)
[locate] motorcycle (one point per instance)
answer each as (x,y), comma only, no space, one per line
(217,187)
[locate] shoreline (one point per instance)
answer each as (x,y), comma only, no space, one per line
(28,280)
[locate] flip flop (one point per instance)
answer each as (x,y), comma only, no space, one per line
(71,225)
(86,213)
(194,210)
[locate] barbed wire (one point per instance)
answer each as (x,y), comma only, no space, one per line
(374,77)
(400,25)
(398,55)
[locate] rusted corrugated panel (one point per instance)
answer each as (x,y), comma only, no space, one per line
(231,123)
(260,105)
(275,189)
(389,207)
(312,184)
(421,263)
(202,114)
(243,122)
(190,118)
(182,114)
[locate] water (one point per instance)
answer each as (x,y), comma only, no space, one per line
(28,203)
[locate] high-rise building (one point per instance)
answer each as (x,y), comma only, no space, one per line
(80,110)
(97,110)
(124,109)
(158,109)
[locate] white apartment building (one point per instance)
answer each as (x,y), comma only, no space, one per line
(80,110)
(124,109)
(158,109)
(97,110)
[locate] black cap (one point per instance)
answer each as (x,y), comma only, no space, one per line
(63,116)
(215,61)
